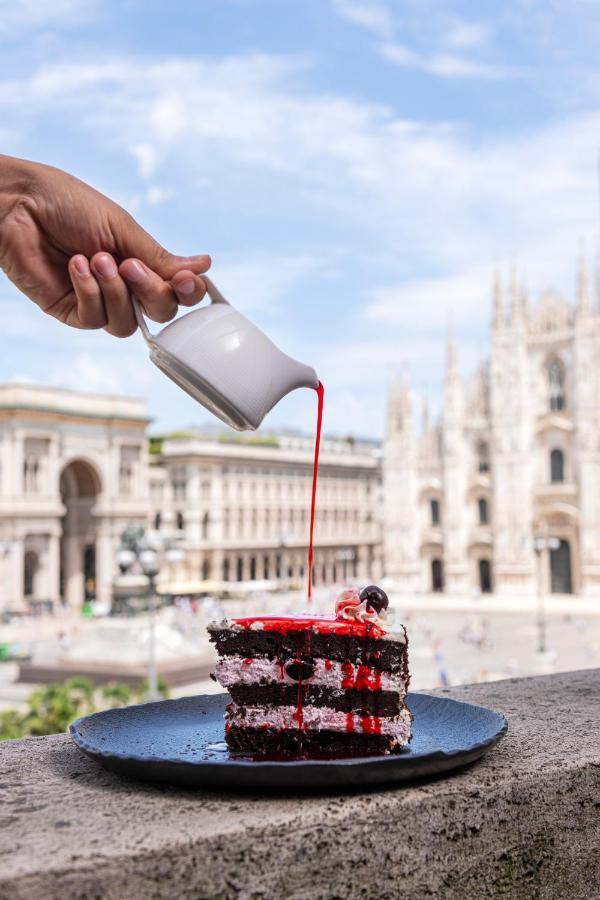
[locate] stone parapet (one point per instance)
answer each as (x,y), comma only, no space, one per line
(521,823)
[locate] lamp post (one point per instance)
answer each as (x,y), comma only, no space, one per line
(150,566)
(541,544)
(138,547)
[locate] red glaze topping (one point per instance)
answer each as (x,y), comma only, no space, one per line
(328,664)
(248,661)
(349,721)
(320,624)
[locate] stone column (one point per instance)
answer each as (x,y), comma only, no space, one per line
(73,567)
(216,564)
(45,583)
(15,566)
(105,563)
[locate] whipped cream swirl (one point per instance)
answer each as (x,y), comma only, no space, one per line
(349,607)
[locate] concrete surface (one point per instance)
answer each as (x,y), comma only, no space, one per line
(521,823)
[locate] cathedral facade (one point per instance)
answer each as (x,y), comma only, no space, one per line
(503,493)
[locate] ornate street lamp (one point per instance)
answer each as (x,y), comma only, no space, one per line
(143,549)
(541,543)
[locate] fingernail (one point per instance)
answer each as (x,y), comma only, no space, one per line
(81,266)
(186,286)
(133,271)
(105,266)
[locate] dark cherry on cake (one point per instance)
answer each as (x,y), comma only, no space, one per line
(375,597)
(316,685)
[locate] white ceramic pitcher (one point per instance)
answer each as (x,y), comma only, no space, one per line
(225,362)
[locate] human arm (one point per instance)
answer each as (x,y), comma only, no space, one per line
(79,256)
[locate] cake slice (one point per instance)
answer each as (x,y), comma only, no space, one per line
(316,685)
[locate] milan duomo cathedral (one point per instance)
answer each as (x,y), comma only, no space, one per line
(503,494)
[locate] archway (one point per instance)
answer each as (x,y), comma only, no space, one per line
(31,564)
(485,576)
(561,581)
(437,575)
(79,489)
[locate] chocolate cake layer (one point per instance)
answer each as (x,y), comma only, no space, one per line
(384,654)
(268,742)
(372,703)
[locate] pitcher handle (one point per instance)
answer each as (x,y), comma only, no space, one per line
(213,292)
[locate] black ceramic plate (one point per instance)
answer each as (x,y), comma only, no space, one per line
(182,742)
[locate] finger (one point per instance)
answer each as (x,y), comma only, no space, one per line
(156,296)
(117,302)
(189,288)
(90,305)
(132,242)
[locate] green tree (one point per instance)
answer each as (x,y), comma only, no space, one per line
(53,707)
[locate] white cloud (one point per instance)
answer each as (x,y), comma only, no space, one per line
(428,304)
(433,204)
(32,14)
(261,282)
(378,19)
(368,14)
(146,158)
(156,194)
(468,34)
(446,65)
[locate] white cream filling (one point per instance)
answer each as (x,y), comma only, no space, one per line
(328,673)
(317,718)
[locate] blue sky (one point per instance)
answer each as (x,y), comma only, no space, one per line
(356,169)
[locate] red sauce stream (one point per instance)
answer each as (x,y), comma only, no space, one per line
(313,499)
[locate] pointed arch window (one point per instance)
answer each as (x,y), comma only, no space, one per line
(483,511)
(557,466)
(556,386)
(483,456)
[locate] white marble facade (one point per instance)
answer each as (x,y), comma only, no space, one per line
(243,506)
(516,454)
(73,473)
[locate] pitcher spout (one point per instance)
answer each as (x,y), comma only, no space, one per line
(288,375)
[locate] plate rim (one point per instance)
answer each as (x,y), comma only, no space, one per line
(243,763)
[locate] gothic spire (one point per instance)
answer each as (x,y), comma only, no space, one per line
(517,298)
(583,294)
(598,280)
(425,417)
(451,354)
(498,301)
(399,407)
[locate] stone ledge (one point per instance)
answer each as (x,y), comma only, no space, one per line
(521,823)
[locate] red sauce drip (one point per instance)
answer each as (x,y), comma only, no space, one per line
(349,721)
(313,497)
(299,714)
(347,676)
(370,724)
(367,679)
(328,664)
(360,678)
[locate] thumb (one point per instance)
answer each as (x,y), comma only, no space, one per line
(132,240)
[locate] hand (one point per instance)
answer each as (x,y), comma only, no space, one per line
(79,256)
